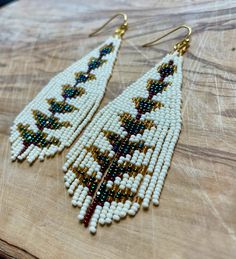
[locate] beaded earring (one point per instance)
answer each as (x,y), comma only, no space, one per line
(56,116)
(121,160)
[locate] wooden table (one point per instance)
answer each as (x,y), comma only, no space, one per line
(197,214)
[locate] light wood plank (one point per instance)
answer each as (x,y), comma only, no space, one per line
(197,213)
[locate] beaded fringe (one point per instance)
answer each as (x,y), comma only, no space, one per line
(55,117)
(121,161)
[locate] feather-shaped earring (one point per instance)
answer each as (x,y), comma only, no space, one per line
(55,117)
(121,160)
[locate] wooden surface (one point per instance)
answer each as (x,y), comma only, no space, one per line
(197,213)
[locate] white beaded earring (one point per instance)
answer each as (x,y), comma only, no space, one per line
(55,117)
(121,160)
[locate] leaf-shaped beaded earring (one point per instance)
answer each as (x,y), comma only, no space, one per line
(121,160)
(55,117)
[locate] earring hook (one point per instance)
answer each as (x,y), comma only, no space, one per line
(120,31)
(180,46)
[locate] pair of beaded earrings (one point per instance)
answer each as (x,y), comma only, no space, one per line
(121,160)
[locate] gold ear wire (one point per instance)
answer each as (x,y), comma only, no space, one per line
(180,46)
(120,31)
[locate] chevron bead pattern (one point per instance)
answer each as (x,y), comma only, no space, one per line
(121,161)
(60,111)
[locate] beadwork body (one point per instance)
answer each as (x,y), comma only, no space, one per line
(121,160)
(60,111)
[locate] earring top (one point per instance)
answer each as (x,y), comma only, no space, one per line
(120,31)
(181,46)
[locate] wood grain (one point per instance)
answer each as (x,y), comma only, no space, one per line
(197,214)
